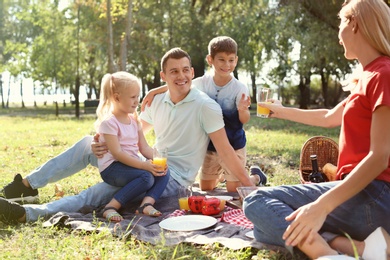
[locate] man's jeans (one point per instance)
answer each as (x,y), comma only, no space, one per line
(95,196)
(73,160)
(357,217)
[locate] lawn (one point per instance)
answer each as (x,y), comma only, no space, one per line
(29,140)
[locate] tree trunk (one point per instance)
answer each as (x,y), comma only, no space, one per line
(9,92)
(325,87)
(304,89)
(1,92)
(253,81)
(21,92)
(111,65)
(125,41)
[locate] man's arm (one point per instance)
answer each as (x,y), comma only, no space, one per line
(228,155)
(98,149)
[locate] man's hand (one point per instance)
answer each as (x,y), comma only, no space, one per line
(98,149)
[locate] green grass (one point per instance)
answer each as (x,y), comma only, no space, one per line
(30,137)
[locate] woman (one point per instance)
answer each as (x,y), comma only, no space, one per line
(316,217)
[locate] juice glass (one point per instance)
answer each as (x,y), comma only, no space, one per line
(262,95)
(160,157)
(184,193)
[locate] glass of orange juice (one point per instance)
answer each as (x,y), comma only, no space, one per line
(184,193)
(263,94)
(160,157)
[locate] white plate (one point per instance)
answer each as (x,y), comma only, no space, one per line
(250,234)
(226,198)
(187,223)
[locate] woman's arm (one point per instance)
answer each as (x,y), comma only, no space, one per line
(315,117)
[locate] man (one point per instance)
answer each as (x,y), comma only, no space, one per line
(184,120)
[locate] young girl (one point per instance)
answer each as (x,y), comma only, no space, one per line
(119,128)
(317,217)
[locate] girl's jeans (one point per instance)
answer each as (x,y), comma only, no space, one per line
(358,217)
(133,182)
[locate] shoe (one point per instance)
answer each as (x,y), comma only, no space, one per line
(377,245)
(255,170)
(10,212)
(17,192)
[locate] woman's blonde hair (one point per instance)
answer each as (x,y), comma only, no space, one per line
(112,84)
(373,19)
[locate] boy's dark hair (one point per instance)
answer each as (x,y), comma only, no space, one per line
(222,44)
(174,53)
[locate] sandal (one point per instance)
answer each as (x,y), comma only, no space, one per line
(153,213)
(112,215)
(255,170)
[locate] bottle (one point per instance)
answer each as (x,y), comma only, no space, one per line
(316,176)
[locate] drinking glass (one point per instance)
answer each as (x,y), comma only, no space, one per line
(262,95)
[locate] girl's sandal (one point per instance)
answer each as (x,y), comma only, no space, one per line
(113,216)
(153,213)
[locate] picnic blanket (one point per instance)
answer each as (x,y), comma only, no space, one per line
(230,230)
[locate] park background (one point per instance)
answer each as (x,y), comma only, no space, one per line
(59,50)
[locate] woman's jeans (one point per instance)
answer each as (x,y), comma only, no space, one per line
(134,182)
(357,217)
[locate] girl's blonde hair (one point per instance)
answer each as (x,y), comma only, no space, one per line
(112,84)
(373,19)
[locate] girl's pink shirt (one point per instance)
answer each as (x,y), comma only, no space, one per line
(127,136)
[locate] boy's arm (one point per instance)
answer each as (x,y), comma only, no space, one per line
(147,101)
(243,109)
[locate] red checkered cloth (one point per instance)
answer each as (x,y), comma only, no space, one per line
(231,216)
(236,217)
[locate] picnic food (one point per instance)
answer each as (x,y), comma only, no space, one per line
(195,203)
(205,206)
(330,171)
(211,206)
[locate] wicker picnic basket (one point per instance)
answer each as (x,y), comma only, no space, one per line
(326,149)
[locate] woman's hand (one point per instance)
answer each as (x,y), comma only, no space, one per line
(273,105)
(98,149)
(306,222)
